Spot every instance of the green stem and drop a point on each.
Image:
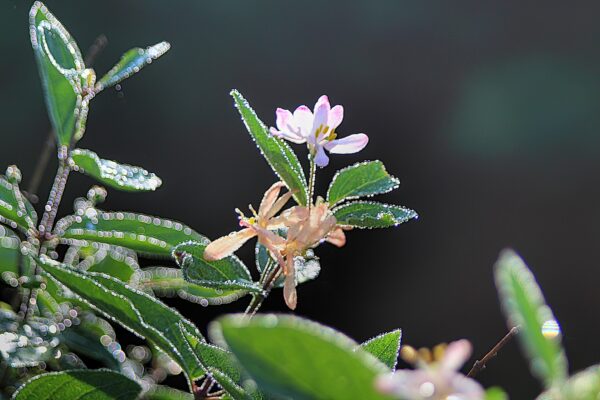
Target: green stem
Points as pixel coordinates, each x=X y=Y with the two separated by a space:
x=311 y=180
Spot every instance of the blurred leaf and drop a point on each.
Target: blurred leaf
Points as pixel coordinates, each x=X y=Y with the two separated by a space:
x=147 y=317
x=10 y=252
x=370 y=214
x=524 y=306
x=160 y=392
x=144 y=234
x=584 y=385
x=385 y=347
x=228 y=273
x=495 y=393
x=61 y=70
x=15 y=209
x=307 y=268
x=132 y=62
x=115 y=261
x=169 y=282
x=119 y=176
x=79 y=384
x=293 y=357
x=278 y=154
x=359 y=180
x=86 y=338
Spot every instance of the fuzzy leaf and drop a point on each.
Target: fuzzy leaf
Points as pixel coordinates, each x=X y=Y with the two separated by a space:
x=278 y=154
x=370 y=214
x=226 y=274
x=62 y=72
x=142 y=233
x=79 y=384
x=145 y=316
x=524 y=306
x=132 y=62
x=159 y=392
x=359 y=180
x=290 y=356
x=15 y=209
x=115 y=261
x=110 y=173
x=169 y=282
x=385 y=347
x=10 y=253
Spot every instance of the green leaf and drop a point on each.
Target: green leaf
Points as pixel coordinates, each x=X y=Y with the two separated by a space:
x=524 y=306
x=144 y=234
x=62 y=72
x=228 y=273
x=119 y=176
x=495 y=393
x=370 y=214
x=10 y=253
x=278 y=154
x=79 y=384
x=115 y=261
x=385 y=347
x=293 y=357
x=169 y=282
x=15 y=209
x=307 y=268
x=161 y=326
x=359 y=180
x=159 y=392
x=132 y=62
x=584 y=385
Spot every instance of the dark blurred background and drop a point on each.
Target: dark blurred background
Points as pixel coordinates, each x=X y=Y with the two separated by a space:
x=488 y=112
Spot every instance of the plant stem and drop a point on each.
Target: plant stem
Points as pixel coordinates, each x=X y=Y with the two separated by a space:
x=58 y=188
x=480 y=365
x=311 y=180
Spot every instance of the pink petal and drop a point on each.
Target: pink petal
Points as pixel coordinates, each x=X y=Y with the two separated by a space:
x=321 y=113
x=284 y=117
x=457 y=353
x=226 y=245
x=288 y=135
x=321 y=158
x=303 y=119
x=269 y=198
x=349 y=144
x=289 y=286
x=337 y=237
x=336 y=115
x=278 y=205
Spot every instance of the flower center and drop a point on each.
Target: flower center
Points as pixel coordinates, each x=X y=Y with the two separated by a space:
x=324 y=130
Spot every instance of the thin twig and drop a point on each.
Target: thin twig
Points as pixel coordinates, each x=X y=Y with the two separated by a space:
x=480 y=365
x=42 y=163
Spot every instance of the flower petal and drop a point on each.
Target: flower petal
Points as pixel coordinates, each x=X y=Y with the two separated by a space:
x=457 y=353
x=337 y=237
x=321 y=158
x=283 y=119
x=321 y=113
x=278 y=205
x=349 y=144
x=288 y=135
x=226 y=245
x=303 y=119
x=336 y=115
x=269 y=198
x=289 y=286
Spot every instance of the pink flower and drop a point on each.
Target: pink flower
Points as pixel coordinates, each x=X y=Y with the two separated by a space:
x=318 y=130
x=434 y=379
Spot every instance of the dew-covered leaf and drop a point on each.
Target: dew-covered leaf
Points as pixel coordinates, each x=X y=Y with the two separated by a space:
x=169 y=282
x=62 y=72
x=307 y=267
x=385 y=347
x=142 y=233
x=110 y=173
x=161 y=326
x=160 y=392
x=132 y=62
x=524 y=306
x=81 y=384
x=228 y=273
x=359 y=180
x=370 y=214
x=278 y=154
x=15 y=209
x=10 y=253
x=290 y=356
x=115 y=261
